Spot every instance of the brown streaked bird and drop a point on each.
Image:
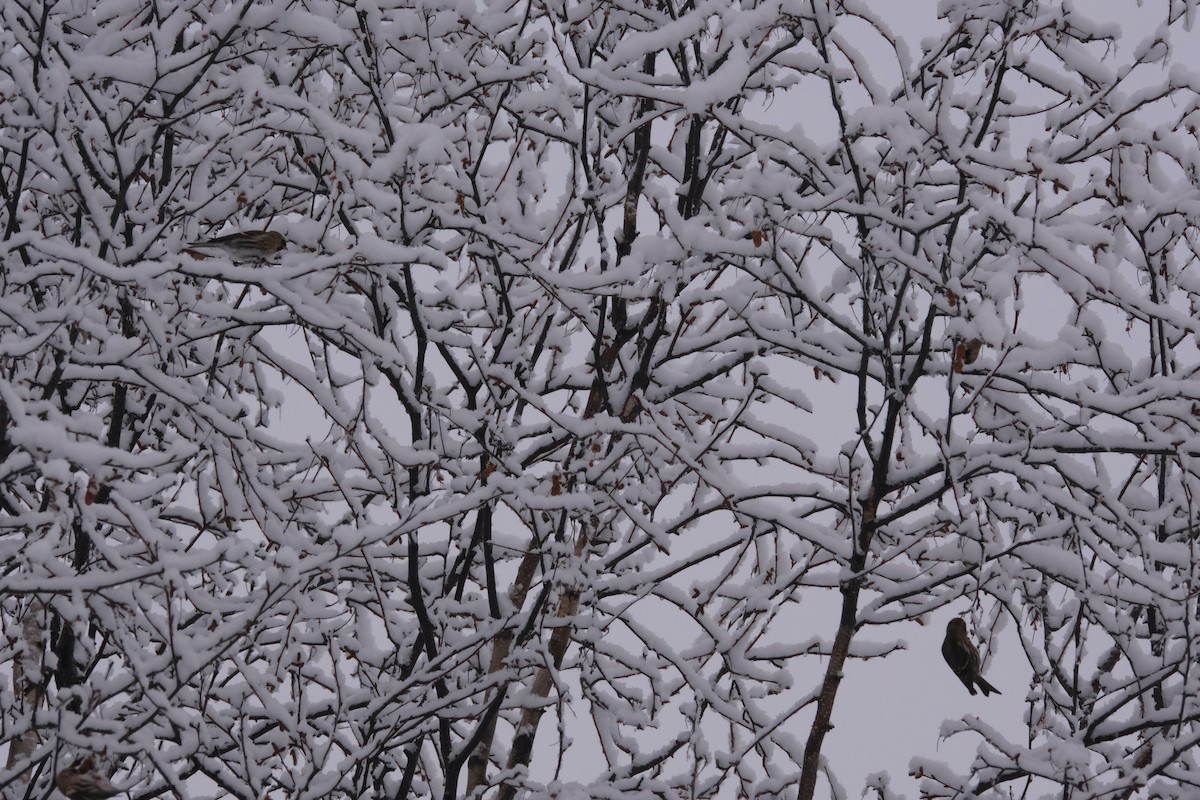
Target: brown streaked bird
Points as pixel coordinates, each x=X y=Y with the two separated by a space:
x=247 y=245
x=971 y=349
x=963 y=657
x=84 y=780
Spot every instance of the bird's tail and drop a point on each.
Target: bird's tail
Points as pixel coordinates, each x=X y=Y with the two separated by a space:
x=986 y=687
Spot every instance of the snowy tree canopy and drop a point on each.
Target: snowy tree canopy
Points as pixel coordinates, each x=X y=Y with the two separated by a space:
x=633 y=369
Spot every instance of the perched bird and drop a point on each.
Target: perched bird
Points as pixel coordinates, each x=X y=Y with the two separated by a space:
x=962 y=656
x=971 y=350
x=966 y=353
x=247 y=245
x=84 y=780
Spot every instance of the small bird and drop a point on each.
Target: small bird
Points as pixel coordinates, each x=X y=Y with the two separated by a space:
x=963 y=657
x=965 y=353
x=971 y=349
x=84 y=780
x=247 y=245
